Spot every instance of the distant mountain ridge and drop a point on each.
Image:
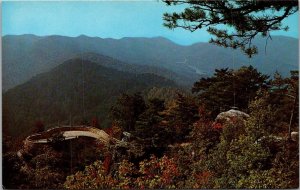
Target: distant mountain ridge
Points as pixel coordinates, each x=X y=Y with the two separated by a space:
x=75 y=91
x=131 y=68
x=24 y=56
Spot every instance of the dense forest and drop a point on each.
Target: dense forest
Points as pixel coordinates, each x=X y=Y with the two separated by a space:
x=176 y=138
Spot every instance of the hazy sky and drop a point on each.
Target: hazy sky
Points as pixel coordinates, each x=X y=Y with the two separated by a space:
x=102 y=19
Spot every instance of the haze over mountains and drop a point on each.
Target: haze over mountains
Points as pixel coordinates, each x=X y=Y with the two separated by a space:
x=25 y=56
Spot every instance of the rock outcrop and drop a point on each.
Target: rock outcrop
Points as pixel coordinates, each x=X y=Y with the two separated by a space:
x=230 y=117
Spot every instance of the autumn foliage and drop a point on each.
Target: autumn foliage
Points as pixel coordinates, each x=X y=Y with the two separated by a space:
x=153 y=173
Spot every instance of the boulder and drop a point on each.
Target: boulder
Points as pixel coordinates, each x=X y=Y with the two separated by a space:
x=229 y=117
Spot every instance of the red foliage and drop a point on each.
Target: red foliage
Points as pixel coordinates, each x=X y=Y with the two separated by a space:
x=113 y=131
x=95 y=122
x=217 y=126
x=202 y=179
x=107 y=163
x=100 y=146
x=109 y=130
x=202 y=110
x=157 y=173
x=203 y=113
x=169 y=170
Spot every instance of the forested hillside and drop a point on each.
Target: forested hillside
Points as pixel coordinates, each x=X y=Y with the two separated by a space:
x=75 y=91
x=173 y=139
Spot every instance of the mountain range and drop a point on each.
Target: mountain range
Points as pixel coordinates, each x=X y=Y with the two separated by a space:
x=70 y=79
x=25 y=56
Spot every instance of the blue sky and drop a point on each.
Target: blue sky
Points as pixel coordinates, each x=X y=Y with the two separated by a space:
x=108 y=19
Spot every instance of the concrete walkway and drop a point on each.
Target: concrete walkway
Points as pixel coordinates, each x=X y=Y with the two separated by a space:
x=67 y=133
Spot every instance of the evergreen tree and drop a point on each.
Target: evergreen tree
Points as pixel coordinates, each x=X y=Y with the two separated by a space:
x=228 y=88
x=148 y=127
x=246 y=19
x=283 y=96
x=180 y=116
x=127 y=110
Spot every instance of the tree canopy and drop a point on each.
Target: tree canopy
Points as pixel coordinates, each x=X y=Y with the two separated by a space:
x=229 y=88
x=244 y=19
x=177 y=143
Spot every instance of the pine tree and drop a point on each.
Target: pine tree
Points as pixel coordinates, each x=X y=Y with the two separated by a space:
x=127 y=110
x=284 y=97
x=180 y=116
x=228 y=88
x=148 y=127
x=246 y=19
